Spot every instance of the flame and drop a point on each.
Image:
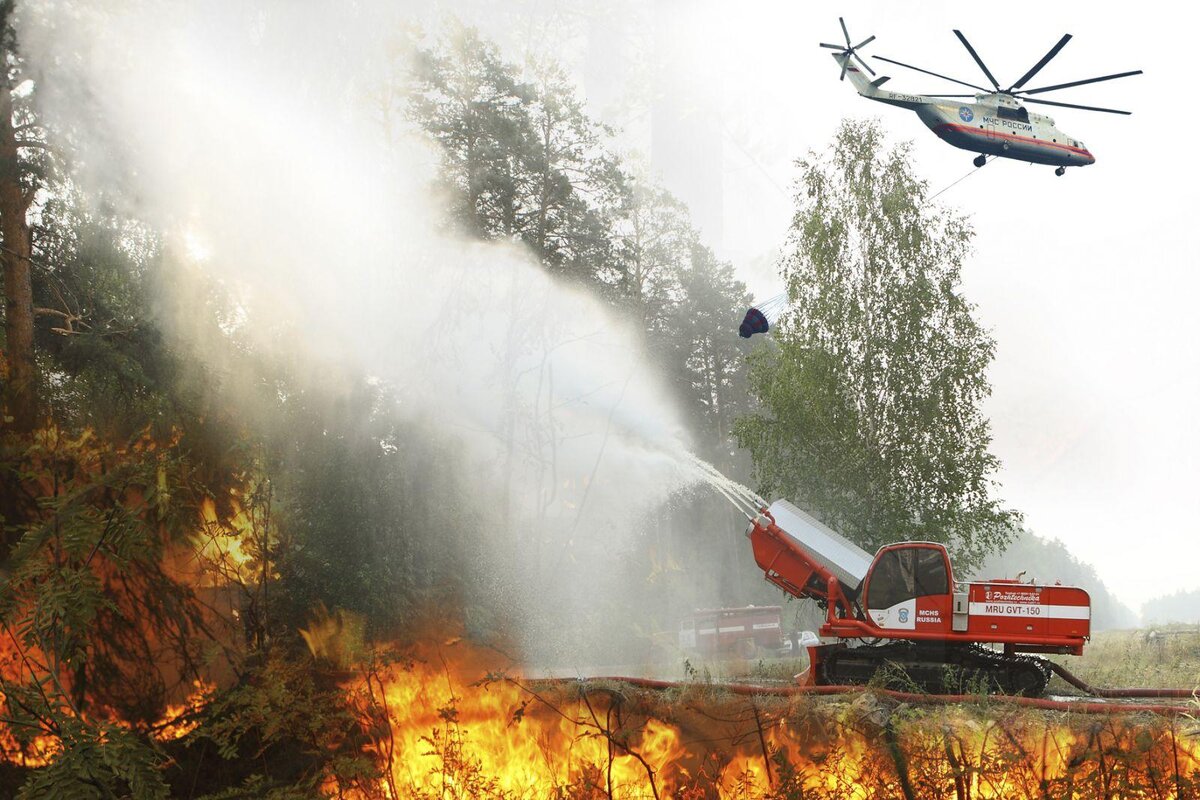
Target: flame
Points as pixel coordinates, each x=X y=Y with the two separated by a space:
x=447 y=724
x=498 y=738
x=181 y=719
x=178 y=720
x=39 y=750
x=36 y=751
x=334 y=637
x=220 y=547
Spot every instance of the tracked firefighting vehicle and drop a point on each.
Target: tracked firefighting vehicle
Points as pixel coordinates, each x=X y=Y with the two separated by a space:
x=903 y=615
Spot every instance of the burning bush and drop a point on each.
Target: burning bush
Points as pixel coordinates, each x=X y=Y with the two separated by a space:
x=105 y=644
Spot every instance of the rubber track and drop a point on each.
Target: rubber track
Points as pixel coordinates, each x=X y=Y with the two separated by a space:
x=926 y=665
x=1001 y=662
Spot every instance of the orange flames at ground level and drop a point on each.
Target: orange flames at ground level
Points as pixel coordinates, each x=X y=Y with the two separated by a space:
x=178 y=720
x=456 y=731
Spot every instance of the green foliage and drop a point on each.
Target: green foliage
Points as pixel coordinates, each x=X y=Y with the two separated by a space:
x=654 y=238
x=522 y=161
x=87 y=590
x=106 y=363
x=360 y=496
x=871 y=404
x=705 y=361
x=473 y=102
x=573 y=183
x=282 y=731
x=99 y=631
x=98 y=762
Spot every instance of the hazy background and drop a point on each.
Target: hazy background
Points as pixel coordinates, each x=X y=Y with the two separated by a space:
x=1086 y=281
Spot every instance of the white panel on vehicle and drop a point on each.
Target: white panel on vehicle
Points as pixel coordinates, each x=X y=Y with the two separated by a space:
x=835 y=552
x=903 y=615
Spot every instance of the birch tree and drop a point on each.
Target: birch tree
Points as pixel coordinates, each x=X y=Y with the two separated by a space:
x=871 y=405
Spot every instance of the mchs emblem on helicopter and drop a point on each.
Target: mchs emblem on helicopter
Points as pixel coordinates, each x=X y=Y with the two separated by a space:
x=997 y=122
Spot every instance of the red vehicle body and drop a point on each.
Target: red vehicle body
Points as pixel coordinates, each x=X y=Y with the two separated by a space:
x=732 y=631
x=909 y=592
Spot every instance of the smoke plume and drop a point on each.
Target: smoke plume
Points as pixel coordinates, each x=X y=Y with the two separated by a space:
x=254 y=136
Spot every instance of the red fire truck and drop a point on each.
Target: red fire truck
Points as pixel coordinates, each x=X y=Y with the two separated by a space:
x=743 y=632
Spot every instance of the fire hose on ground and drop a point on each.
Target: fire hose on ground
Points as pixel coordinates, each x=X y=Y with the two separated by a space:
x=915 y=698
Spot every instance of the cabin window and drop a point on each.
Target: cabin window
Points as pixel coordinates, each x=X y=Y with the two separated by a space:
x=907 y=573
x=1019 y=114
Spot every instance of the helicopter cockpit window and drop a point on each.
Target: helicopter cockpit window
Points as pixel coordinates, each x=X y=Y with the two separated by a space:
x=905 y=574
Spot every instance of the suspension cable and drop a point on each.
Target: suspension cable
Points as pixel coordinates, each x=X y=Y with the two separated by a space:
x=963 y=178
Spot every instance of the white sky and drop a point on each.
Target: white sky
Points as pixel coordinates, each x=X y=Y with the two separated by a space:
x=1086 y=281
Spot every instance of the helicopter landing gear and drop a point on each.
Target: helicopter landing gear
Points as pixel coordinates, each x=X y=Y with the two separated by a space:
x=1060 y=171
x=980 y=160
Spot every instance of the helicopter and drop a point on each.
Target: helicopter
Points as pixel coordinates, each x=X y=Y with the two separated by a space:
x=996 y=122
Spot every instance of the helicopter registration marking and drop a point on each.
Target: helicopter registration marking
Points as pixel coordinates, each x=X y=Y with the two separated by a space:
x=908 y=98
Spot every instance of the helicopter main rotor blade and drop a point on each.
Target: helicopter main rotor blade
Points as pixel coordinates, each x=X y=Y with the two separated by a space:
x=845 y=64
x=1074 y=105
x=978 y=60
x=845 y=31
x=1045 y=60
x=1080 y=83
x=864 y=42
x=934 y=74
x=833 y=46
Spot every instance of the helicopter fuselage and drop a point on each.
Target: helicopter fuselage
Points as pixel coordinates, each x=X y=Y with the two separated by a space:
x=993 y=124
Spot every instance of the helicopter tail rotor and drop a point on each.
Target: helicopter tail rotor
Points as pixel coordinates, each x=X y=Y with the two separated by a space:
x=850 y=50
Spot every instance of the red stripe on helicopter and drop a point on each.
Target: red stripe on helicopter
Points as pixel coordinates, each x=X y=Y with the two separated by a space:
x=998 y=135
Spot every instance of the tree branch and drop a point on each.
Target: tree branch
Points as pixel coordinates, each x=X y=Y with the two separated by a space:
x=36 y=145
x=70 y=319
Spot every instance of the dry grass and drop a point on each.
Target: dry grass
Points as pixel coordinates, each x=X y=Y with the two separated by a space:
x=1171 y=659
